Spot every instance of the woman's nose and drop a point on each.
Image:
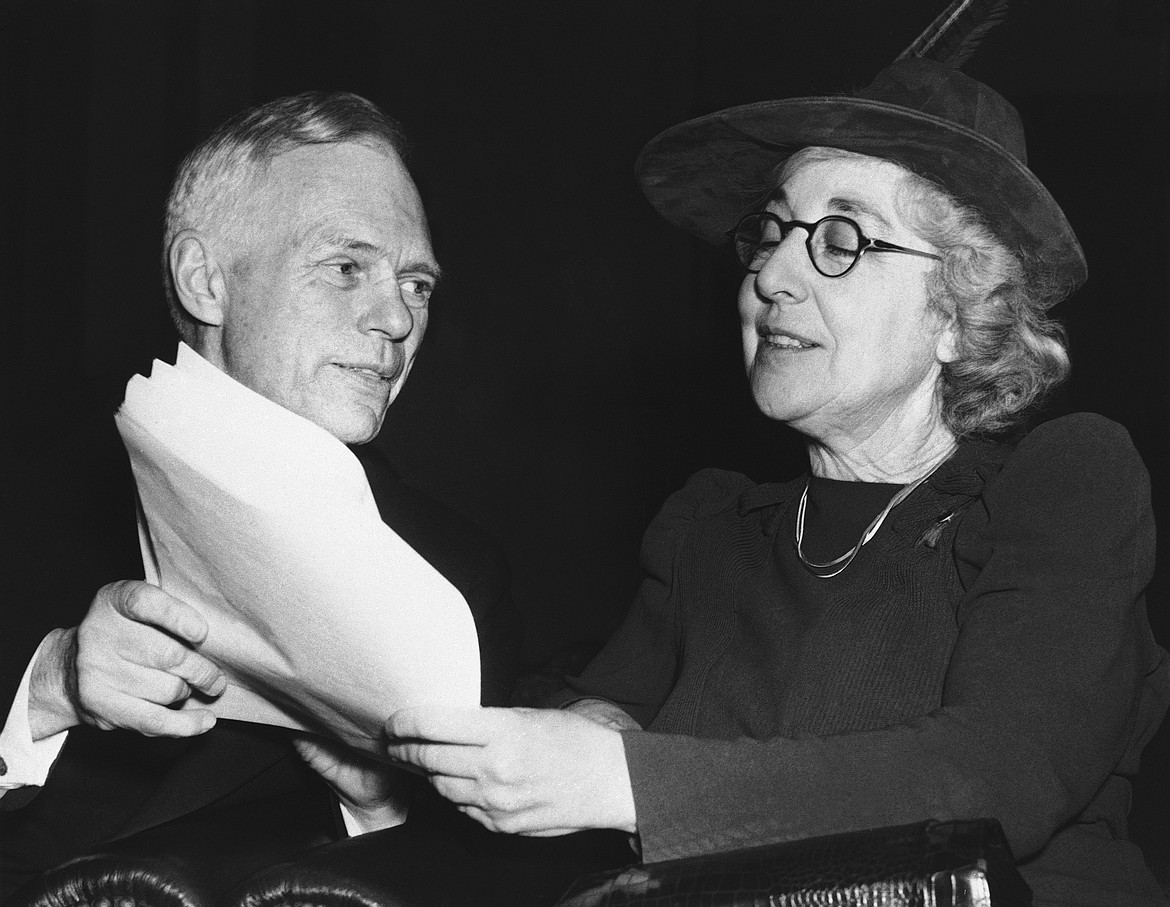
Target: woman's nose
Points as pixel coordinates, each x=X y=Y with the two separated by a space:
x=785 y=273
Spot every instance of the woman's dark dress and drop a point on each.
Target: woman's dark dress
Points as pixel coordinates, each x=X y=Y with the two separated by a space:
x=986 y=654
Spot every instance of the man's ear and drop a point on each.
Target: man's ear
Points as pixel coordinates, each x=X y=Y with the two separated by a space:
x=199 y=278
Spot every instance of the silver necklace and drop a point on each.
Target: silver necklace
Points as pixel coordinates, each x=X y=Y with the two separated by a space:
x=847 y=558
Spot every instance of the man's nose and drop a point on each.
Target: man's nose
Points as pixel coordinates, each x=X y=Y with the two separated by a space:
x=387 y=311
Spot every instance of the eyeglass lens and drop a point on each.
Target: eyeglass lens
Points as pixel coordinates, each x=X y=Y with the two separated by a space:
x=833 y=247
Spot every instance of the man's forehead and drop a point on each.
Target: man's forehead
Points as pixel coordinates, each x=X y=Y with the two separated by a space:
x=343 y=195
x=338 y=167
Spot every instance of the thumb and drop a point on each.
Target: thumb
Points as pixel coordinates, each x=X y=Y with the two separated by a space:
x=309 y=747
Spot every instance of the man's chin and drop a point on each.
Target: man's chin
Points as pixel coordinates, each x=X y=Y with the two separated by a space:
x=358 y=426
x=356 y=435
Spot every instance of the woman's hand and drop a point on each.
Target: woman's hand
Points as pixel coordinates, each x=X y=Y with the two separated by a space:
x=377 y=796
x=605 y=713
x=522 y=771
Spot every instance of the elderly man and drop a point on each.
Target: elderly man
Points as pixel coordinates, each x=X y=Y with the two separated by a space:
x=298 y=262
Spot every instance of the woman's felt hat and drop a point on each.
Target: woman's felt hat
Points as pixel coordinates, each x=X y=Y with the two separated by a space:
x=702 y=175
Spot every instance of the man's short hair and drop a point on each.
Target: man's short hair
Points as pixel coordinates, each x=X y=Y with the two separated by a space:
x=211 y=184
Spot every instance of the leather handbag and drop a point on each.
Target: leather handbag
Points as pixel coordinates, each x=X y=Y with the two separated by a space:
x=928 y=864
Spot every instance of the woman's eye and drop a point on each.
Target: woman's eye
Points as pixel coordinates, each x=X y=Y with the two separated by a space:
x=764 y=250
x=836 y=239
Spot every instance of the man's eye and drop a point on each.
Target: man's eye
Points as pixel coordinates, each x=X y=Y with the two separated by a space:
x=417 y=290
x=342 y=271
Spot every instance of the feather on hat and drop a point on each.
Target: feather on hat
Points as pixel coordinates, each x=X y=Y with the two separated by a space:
x=702 y=175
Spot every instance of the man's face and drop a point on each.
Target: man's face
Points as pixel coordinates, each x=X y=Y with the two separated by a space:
x=326 y=301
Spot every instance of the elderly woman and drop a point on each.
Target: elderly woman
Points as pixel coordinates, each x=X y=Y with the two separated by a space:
x=945 y=617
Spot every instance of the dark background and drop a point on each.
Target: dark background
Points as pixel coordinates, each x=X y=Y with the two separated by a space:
x=583 y=358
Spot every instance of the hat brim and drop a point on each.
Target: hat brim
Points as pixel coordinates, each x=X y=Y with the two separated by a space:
x=702 y=175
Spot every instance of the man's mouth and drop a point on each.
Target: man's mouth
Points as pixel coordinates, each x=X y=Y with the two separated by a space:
x=786 y=341
x=374 y=373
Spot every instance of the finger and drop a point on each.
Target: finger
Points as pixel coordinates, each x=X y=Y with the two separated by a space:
x=512 y=824
x=199 y=672
x=148 y=604
x=108 y=695
x=153 y=720
x=151 y=649
x=508 y=811
x=479 y=816
x=312 y=745
x=316 y=753
x=319 y=750
x=438 y=758
x=467 y=726
x=159 y=688
x=188 y=722
x=407 y=767
x=460 y=791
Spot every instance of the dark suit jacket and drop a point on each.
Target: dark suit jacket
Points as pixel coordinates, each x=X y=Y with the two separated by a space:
x=69 y=519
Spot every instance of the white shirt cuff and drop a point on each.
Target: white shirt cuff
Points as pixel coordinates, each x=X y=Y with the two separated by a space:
x=24 y=761
x=355 y=826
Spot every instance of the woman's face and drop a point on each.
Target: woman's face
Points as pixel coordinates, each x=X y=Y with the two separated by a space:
x=848 y=355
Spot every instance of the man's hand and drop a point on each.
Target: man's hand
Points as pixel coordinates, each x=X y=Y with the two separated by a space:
x=376 y=795
x=129 y=660
x=522 y=771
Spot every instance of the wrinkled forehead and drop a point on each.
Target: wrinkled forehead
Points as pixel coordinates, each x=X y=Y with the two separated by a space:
x=339 y=169
x=340 y=187
x=836 y=164
x=842 y=182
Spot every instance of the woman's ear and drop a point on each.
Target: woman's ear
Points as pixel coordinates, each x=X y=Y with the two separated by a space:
x=198 y=278
x=947 y=347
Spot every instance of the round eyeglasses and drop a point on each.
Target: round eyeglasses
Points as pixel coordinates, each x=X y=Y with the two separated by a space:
x=835 y=243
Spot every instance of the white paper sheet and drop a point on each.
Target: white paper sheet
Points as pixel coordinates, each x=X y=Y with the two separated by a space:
x=320 y=614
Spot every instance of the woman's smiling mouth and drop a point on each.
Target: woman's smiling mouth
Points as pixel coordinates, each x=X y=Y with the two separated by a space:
x=785 y=341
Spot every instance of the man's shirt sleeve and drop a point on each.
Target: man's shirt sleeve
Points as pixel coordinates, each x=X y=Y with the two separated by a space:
x=355 y=827
x=23 y=761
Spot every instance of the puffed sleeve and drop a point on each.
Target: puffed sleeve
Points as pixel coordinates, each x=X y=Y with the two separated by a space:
x=1052 y=675
x=637 y=667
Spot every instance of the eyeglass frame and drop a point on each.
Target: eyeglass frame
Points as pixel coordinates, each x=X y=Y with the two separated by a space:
x=866 y=243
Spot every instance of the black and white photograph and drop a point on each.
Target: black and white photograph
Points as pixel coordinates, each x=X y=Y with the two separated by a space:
x=585 y=454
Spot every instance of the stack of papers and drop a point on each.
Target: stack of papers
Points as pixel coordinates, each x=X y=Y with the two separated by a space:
x=322 y=617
